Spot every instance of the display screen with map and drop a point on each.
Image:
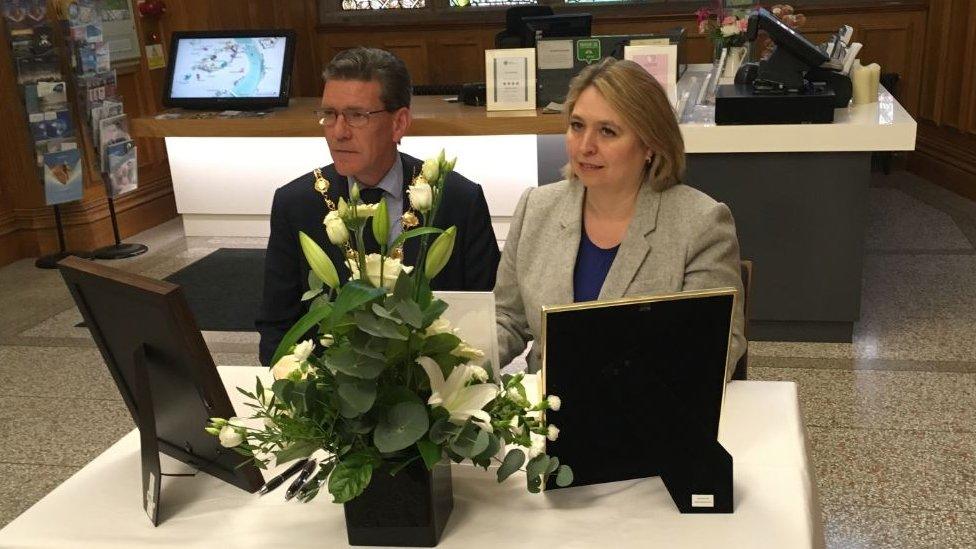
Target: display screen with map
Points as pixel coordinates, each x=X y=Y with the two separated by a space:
x=227 y=69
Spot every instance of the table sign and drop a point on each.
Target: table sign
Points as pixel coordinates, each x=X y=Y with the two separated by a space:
x=661 y=62
x=510 y=79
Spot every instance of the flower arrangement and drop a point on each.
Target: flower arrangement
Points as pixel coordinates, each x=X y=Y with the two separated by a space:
x=789 y=17
x=386 y=380
x=725 y=26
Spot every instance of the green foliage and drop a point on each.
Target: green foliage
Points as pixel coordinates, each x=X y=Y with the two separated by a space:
x=351 y=476
x=351 y=296
x=304 y=324
x=402 y=426
x=471 y=441
x=430 y=452
x=356 y=396
x=513 y=462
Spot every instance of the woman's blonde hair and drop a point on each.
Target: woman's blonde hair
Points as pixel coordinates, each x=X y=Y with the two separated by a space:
x=643 y=105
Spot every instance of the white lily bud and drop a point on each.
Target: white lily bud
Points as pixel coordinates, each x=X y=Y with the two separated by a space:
x=431 y=169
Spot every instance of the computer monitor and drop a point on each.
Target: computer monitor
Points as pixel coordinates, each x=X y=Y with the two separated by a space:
x=229 y=70
x=566 y=24
x=131 y=315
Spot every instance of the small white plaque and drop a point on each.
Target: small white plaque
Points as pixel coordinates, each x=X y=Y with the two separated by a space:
x=555 y=54
x=702 y=500
x=510 y=79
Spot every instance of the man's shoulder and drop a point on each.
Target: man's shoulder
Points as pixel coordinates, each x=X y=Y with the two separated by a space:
x=299 y=186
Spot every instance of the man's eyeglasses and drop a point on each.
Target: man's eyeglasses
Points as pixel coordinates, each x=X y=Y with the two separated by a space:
x=354 y=117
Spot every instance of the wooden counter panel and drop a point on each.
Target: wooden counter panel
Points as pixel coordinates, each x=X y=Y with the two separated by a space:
x=432 y=116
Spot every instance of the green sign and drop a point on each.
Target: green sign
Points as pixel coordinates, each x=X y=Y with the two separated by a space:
x=588 y=50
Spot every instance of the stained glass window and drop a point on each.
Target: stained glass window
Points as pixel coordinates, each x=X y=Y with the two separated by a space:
x=464 y=3
x=382 y=4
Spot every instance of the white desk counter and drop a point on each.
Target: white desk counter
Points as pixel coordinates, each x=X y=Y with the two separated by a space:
x=776 y=503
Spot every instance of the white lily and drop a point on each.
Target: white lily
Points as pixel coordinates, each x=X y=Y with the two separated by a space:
x=461 y=400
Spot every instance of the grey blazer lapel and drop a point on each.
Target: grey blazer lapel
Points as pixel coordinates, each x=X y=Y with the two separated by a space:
x=636 y=244
x=565 y=246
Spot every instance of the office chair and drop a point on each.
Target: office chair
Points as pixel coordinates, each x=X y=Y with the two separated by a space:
x=742 y=366
x=511 y=36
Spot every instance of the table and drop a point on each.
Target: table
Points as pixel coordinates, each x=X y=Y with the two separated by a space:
x=776 y=502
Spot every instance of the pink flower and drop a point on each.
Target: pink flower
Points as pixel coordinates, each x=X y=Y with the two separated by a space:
x=702 y=14
x=701 y=27
x=743 y=24
x=729 y=20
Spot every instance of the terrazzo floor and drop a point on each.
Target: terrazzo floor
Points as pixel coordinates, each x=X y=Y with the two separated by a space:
x=890 y=416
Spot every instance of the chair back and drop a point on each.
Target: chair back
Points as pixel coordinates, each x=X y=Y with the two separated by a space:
x=742 y=366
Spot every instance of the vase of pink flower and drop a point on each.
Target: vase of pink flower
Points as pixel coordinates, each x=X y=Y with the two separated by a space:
x=726 y=26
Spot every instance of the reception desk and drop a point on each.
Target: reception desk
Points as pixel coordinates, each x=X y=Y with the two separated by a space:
x=798 y=192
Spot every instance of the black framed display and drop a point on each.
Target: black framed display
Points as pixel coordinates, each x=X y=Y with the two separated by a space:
x=163 y=370
x=229 y=70
x=646 y=379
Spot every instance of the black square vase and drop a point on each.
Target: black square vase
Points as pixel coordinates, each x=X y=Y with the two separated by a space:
x=409 y=509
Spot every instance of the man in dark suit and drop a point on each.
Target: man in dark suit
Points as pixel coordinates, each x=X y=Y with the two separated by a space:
x=365 y=112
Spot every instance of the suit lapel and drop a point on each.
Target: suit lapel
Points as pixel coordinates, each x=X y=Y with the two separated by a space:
x=561 y=263
x=636 y=244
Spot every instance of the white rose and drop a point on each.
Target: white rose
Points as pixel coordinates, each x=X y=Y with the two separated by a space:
x=303 y=350
x=729 y=30
x=468 y=352
x=391 y=270
x=230 y=436
x=335 y=227
x=479 y=373
x=439 y=326
x=553 y=433
x=538 y=446
x=421 y=196
x=553 y=402
x=285 y=367
x=362 y=211
x=431 y=169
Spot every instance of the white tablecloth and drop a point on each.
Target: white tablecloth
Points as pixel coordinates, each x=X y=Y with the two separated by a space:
x=776 y=503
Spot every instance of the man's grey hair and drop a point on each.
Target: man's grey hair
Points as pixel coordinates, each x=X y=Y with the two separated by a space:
x=368 y=64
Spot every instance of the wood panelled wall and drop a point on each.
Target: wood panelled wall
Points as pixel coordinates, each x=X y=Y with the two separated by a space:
x=931 y=44
x=946 y=147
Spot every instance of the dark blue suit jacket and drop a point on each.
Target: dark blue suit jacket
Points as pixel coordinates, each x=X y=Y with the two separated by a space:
x=298 y=207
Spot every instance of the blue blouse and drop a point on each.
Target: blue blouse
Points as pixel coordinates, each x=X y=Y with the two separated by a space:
x=592 y=265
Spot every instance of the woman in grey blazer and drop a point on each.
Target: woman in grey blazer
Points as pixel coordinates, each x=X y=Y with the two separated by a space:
x=621 y=224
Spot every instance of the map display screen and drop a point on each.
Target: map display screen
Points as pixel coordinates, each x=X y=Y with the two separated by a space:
x=229 y=68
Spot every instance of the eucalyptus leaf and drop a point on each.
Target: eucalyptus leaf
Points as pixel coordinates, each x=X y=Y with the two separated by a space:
x=564 y=476
x=377 y=326
x=403 y=288
x=411 y=313
x=534 y=484
x=351 y=296
x=471 y=441
x=494 y=445
x=402 y=426
x=537 y=465
x=440 y=343
x=358 y=397
x=513 y=462
x=381 y=311
x=442 y=430
x=345 y=360
x=360 y=425
x=433 y=311
x=367 y=345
